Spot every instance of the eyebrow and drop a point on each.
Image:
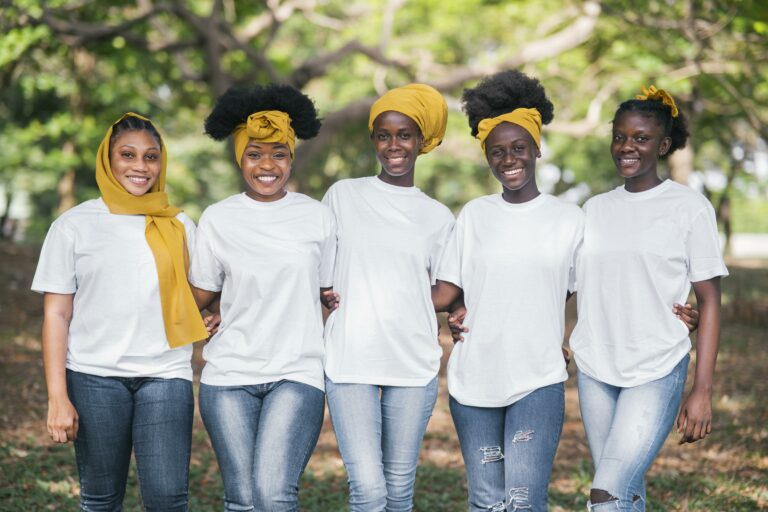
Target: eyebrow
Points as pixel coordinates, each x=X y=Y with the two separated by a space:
x=134 y=147
x=253 y=144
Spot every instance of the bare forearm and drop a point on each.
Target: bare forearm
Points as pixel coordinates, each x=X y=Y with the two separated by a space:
x=708 y=339
x=444 y=294
x=55 y=332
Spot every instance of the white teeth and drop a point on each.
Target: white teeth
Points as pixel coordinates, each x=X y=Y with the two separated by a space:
x=138 y=180
x=513 y=172
x=266 y=179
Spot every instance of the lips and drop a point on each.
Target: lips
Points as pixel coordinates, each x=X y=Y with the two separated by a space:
x=627 y=162
x=509 y=173
x=138 y=180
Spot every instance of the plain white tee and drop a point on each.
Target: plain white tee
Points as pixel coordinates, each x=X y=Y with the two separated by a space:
x=515 y=263
x=117 y=327
x=268 y=260
x=641 y=252
x=390 y=239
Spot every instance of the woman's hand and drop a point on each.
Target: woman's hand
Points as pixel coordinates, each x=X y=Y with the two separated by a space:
x=212 y=322
x=456 y=323
x=329 y=298
x=688 y=314
x=62 y=420
x=695 y=419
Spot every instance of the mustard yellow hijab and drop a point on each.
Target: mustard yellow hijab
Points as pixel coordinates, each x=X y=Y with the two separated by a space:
x=527 y=118
x=166 y=237
x=264 y=126
x=422 y=103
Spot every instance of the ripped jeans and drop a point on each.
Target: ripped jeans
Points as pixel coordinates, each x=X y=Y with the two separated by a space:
x=626 y=428
x=508 y=451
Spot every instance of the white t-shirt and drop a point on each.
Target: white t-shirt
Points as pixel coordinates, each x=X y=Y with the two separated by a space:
x=269 y=260
x=390 y=239
x=117 y=327
x=640 y=253
x=515 y=263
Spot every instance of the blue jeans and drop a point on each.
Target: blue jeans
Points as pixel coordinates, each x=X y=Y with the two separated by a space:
x=626 y=428
x=263 y=436
x=379 y=431
x=508 y=451
x=153 y=417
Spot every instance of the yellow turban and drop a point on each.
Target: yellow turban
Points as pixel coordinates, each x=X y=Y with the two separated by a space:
x=167 y=239
x=264 y=126
x=527 y=118
x=421 y=103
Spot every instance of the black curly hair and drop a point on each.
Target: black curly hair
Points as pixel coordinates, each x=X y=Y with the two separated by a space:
x=674 y=127
x=234 y=106
x=502 y=93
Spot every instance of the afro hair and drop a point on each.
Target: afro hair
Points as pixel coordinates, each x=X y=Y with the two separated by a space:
x=502 y=93
x=234 y=106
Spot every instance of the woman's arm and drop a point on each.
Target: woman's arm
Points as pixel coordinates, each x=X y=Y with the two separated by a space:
x=204 y=298
x=695 y=419
x=62 y=417
x=444 y=294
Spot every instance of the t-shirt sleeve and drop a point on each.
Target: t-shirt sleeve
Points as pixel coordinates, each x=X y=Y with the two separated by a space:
x=449 y=268
x=705 y=259
x=56 y=267
x=328 y=252
x=206 y=271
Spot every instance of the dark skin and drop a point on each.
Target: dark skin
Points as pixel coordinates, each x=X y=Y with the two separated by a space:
x=397 y=141
x=638 y=142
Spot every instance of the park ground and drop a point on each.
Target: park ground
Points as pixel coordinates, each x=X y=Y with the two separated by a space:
x=726 y=472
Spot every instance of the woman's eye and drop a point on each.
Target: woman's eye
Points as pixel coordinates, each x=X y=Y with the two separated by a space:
x=642 y=139
x=153 y=157
x=278 y=155
x=254 y=156
x=126 y=155
x=405 y=136
x=519 y=149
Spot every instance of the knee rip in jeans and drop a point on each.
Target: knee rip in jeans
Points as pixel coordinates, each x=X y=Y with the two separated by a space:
x=491 y=454
x=597 y=496
x=522 y=435
x=497 y=507
x=518 y=498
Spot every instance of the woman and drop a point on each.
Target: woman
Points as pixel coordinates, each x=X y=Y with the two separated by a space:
x=513 y=255
x=644 y=244
x=119 y=318
x=382 y=354
x=267 y=252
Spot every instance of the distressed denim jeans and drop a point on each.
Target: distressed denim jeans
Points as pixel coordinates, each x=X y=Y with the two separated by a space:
x=626 y=428
x=379 y=430
x=152 y=417
x=508 y=451
x=263 y=436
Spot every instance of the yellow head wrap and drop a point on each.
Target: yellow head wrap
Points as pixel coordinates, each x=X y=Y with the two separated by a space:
x=421 y=103
x=652 y=93
x=166 y=238
x=264 y=126
x=527 y=118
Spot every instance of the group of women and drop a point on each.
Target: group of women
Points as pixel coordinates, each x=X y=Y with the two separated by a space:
x=125 y=275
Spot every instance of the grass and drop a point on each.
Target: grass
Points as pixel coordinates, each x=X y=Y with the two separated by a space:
x=726 y=472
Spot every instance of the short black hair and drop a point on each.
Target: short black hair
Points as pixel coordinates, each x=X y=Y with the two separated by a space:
x=134 y=124
x=674 y=127
x=502 y=93
x=234 y=106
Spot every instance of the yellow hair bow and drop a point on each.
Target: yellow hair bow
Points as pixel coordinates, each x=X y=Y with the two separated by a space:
x=652 y=93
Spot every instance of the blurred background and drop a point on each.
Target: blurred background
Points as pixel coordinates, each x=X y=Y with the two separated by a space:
x=69 y=68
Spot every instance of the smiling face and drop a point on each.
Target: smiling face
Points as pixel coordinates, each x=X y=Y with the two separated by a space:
x=266 y=167
x=638 y=142
x=511 y=153
x=397 y=140
x=136 y=160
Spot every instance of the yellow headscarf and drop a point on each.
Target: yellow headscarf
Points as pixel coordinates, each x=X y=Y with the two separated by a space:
x=421 y=103
x=264 y=126
x=527 y=118
x=166 y=238
x=652 y=93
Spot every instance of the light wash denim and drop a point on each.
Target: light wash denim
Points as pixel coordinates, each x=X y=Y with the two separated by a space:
x=508 y=451
x=626 y=428
x=152 y=417
x=379 y=430
x=263 y=436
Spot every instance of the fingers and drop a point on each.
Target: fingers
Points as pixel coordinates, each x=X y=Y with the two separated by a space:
x=688 y=314
x=331 y=299
x=566 y=356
